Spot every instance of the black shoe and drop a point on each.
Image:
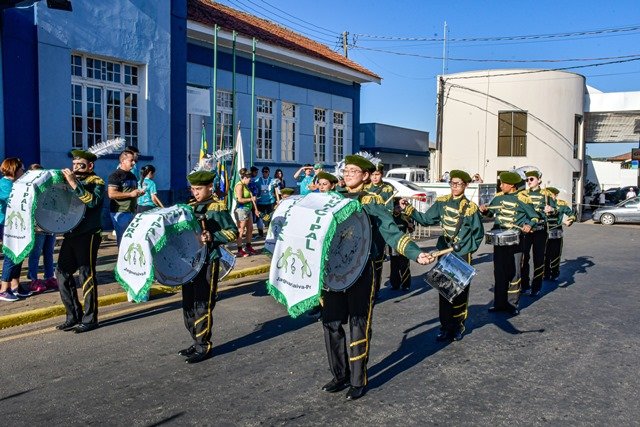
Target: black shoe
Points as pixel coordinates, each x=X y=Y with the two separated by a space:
x=197 y=357
x=355 y=393
x=186 y=352
x=443 y=336
x=67 y=326
x=85 y=327
x=335 y=385
x=535 y=294
x=514 y=311
x=457 y=336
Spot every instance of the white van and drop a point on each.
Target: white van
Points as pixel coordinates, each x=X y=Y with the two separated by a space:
x=410 y=174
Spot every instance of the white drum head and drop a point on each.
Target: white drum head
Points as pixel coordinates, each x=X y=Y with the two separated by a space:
x=181 y=258
x=227 y=262
x=58 y=209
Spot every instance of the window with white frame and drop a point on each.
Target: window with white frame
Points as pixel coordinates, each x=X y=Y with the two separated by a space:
x=264 y=140
x=288 y=132
x=338 y=136
x=319 y=135
x=224 y=118
x=104 y=101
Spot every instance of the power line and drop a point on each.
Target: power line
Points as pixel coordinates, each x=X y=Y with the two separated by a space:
x=245 y=8
x=373 y=37
x=606 y=58
x=331 y=32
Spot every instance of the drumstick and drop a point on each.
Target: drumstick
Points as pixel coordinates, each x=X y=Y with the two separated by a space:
x=441 y=252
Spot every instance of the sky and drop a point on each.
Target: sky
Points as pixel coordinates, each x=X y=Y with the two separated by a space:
x=407 y=95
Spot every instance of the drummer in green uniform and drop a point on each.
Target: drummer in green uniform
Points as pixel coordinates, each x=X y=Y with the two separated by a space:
x=385 y=191
x=462 y=229
x=554 y=246
x=199 y=296
x=326 y=182
x=356 y=303
x=535 y=242
x=512 y=210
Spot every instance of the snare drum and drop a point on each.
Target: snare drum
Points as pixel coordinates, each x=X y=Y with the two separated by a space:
x=450 y=276
x=58 y=209
x=555 y=233
x=502 y=237
x=181 y=259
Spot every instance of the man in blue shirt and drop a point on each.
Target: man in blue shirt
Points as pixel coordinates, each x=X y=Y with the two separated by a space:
x=266 y=197
x=306 y=180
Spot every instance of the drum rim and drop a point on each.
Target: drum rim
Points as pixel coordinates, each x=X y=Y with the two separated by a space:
x=67 y=188
x=193 y=272
x=222 y=248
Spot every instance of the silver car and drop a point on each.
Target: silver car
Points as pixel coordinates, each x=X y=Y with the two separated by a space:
x=626 y=211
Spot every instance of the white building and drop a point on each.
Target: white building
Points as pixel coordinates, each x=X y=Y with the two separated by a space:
x=494 y=120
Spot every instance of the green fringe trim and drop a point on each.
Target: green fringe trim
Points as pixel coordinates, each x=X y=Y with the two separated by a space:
x=191 y=224
x=296 y=309
x=55 y=178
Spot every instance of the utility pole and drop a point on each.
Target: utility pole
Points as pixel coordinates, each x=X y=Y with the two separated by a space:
x=439 y=130
x=345 y=45
x=444 y=50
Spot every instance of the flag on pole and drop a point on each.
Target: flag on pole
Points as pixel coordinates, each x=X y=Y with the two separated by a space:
x=203 y=143
x=236 y=165
x=224 y=179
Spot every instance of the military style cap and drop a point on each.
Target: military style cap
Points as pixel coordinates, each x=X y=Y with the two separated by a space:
x=510 y=178
x=201 y=178
x=534 y=173
x=359 y=161
x=456 y=173
x=380 y=167
x=329 y=177
x=83 y=154
x=554 y=190
x=287 y=191
x=318 y=166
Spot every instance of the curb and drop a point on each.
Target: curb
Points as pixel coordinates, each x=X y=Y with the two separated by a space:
x=39 y=314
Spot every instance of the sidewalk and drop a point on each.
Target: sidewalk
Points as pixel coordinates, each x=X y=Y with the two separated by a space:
x=48 y=304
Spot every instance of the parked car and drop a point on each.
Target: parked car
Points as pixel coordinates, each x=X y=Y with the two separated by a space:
x=625 y=211
x=409 y=174
x=420 y=198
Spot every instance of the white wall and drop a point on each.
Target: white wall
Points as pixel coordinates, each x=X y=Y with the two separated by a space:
x=609 y=175
x=470 y=122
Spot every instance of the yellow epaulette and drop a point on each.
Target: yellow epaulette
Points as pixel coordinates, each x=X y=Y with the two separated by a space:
x=499 y=193
x=524 y=197
x=217 y=206
x=546 y=192
x=561 y=202
x=472 y=209
x=388 y=188
x=444 y=198
x=95 y=179
x=372 y=199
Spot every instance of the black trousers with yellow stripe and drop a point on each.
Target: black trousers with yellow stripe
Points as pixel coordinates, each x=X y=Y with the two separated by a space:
x=453 y=314
x=507 y=261
x=400 y=274
x=355 y=306
x=79 y=253
x=535 y=242
x=552 y=258
x=377 y=272
x=198 y=301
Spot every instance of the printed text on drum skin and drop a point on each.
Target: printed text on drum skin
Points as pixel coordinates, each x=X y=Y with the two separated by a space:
x=314 y=226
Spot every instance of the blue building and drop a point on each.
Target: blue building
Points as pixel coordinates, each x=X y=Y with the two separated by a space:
x=140 y=70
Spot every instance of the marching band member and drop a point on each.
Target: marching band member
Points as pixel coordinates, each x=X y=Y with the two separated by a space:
x=554 y=246
x=355 y=304
x=536 y=241
x=199 y=296
x=512 y=210
x=399 y=268
x=326 y=182
x=462 y=229
x=79 y=248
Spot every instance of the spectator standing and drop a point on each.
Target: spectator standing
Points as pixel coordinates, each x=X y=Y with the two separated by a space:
x=149 y=199
x=12 y=169
x=245 y=204
x=43 y=244
x=123 y=192
x=630 y=194
x=304 y=181
x=266 y=199
x=602 y=199
x=279 y=175
x=477 y=179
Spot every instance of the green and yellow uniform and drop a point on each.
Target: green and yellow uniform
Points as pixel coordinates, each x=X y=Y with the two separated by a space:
x=448 y=211
x=385 y=191
x=510 y=211
x=79 y=251
x=536 y=241
x=400 y=271
x=199 y=296
x=554 y=246
x=355 y=305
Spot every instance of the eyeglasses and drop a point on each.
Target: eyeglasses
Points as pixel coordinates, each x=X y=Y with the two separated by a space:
x=351 y=172
x=80 y=165
x=456 y=184
x=531 y=178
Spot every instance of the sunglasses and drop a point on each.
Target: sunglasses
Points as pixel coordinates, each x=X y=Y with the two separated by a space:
x=531 y=178
x=80 y=165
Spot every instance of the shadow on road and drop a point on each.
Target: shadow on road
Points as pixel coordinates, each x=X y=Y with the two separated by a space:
x=151 y=311
x=481 y=259
x=11 y=396
x=167 y=420
x=571 y=267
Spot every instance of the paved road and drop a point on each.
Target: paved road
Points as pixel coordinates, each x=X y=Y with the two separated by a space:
x=569 y=358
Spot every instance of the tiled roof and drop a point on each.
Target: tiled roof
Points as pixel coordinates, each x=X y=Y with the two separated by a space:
x=620 y=158
x=210 y=13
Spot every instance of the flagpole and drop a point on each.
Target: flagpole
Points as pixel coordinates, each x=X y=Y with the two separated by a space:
x=253 y=98
x=215 y=81
x=233 y=85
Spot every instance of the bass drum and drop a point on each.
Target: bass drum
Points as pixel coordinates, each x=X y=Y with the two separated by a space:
x=227 y=262
x=180 y=260
x=58 y=209
x=348 y=252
